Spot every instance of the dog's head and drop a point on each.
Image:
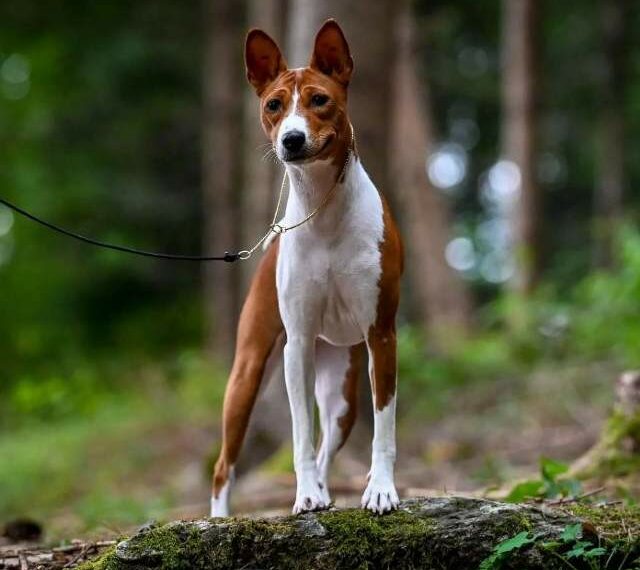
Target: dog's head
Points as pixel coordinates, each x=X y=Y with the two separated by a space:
x=303 y=111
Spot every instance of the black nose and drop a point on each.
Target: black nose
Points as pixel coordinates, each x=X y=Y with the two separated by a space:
x=293 y=141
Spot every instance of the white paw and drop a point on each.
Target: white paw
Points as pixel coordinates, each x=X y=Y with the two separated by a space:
x=220 y=504
x=219 y=508
x=380 y=497
x=310 y=497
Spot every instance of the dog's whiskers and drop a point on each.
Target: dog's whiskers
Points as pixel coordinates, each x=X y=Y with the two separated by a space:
x=270 y=155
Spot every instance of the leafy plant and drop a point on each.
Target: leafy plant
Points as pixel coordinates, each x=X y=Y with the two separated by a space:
x=570 y=548
x=550 y=485
x=578 y=548
x=504 y=548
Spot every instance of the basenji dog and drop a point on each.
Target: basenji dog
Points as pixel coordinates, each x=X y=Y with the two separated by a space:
x=330 y=285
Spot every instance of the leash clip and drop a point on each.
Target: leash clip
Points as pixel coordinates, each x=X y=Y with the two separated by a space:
x=231 y=257
x=278 y=229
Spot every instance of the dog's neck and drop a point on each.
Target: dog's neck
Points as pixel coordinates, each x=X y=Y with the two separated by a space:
x=309 y=185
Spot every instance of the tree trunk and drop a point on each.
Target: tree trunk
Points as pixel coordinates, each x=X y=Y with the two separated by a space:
x=261 y=173
x=305 y=19
x=519 y=88
x=270 y=425
x=369 y=28
x=611 y=172
x=442 y=533
x=441 y=297
x=220 y=135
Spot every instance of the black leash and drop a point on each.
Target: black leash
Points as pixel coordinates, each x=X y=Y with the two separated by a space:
x=228 y=257
x=274 y=228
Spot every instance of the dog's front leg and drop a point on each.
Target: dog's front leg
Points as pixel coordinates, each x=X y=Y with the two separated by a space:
x=299 y=357
x=380 y=495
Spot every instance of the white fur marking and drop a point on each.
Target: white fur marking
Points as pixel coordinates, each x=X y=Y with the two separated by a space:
x=220 y=504
x=380 y=495
x=294 y=121
x=327 y=279
x=332 y=365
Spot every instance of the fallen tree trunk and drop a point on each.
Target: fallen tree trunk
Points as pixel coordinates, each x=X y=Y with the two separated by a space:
x=444 y=533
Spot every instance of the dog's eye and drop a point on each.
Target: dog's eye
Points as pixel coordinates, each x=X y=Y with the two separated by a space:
x=319 y=99
x=273 y=105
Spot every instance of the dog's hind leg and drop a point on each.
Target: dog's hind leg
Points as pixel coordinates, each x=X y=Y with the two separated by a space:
x=259 y=328
x=337 y=377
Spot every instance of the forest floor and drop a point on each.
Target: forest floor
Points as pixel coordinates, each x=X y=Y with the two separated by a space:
x=135 y=461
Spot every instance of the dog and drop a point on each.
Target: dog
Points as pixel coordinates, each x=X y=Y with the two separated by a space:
x=330 y=285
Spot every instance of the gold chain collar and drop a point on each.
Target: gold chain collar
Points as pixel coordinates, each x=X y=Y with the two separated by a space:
x=276 y=228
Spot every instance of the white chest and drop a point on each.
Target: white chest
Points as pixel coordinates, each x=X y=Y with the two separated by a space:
x=328 y=271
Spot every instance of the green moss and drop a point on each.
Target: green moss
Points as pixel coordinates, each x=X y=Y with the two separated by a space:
x=611 y=456
x=361 y=539
x=620 y=426
x=510 y=524
x=105 y=561
x=426 y=534
x=613 y=523
x=185 y=546
x=246 y=541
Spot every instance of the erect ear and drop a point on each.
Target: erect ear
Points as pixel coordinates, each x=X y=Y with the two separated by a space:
x=331 y=53
x=263 y=59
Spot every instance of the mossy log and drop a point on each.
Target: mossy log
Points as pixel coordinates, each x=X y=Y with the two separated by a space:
x=443 y=533
x=616 y=454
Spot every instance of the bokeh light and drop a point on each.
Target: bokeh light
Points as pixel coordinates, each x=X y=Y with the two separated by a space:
x=460 y=254
x=497 y=267
x=447 y=166
x=15 y=73
x=503 y=188
x=6 y=221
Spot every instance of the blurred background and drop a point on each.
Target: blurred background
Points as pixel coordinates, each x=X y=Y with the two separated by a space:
x=502 y=132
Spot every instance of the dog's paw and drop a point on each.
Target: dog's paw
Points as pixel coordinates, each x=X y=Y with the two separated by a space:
x=311 y=497
x=380 y=497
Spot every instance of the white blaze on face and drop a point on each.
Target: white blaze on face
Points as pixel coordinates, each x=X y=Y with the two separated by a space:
x=294 y=121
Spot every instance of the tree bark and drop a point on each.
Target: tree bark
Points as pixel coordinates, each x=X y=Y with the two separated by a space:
x=220 y=135
x=610 y=184
x=305 y=19
x=369 y=28
x=442 y=298
x=261 y=173
x=519 y=88
x=442 y=533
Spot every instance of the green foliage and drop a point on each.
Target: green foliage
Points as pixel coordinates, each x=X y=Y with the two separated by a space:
x=61 y=461
x=98 y=133
x=596 y=319
x=606 y=313
x=551 y=484
x=502 y=550
x=571 y=548
x=430 y=381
